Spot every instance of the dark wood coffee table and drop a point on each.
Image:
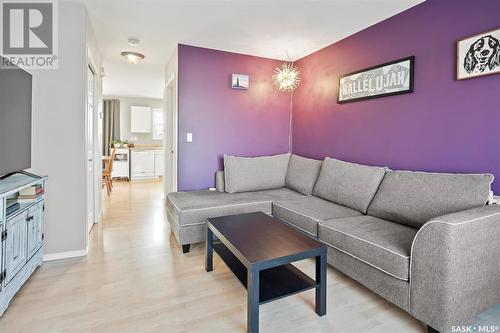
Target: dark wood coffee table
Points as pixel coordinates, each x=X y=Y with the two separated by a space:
x=259 y=250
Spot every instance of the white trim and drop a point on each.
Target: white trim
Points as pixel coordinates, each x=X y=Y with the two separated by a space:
x=296 y=227
x=438 y=222
x=65 y=255
x=217 y=207
x=364 y=240
x=298 y=213
x=366 y=262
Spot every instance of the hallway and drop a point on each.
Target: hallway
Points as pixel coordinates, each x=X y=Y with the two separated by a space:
x=135 y=279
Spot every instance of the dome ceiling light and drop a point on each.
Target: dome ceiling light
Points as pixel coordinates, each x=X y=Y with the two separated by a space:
x=132 y=57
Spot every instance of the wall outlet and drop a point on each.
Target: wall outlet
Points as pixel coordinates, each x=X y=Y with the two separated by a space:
x=133 y=138
x=189 y=137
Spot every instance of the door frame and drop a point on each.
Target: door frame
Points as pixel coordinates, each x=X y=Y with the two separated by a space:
x=92 y=143
x=96 y=202
x=171 y=130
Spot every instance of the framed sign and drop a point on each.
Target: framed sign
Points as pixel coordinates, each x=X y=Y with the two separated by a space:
x=390 y=78
x=240 y=81
x=478 y=55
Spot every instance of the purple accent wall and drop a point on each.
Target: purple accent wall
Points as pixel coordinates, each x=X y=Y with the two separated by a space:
x=223 y=120
x=445 y=125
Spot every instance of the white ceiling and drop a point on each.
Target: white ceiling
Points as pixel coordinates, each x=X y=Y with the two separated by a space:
x=272 y=29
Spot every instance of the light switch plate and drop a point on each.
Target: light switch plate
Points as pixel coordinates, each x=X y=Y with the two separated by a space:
x=189 y=137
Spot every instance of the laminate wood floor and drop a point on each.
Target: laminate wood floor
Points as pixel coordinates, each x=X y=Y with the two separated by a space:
x=136 y=279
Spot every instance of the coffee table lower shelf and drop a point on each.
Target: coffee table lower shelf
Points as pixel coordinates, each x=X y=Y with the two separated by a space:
x=275 y=283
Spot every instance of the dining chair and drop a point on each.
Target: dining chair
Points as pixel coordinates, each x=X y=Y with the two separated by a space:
x=107 y=179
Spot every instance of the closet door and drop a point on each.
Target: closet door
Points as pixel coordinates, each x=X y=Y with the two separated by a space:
x=15 y=245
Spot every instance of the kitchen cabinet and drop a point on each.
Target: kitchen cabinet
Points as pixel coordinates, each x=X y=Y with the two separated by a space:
x=143 y=164
x=147 y=163
x=140 y=119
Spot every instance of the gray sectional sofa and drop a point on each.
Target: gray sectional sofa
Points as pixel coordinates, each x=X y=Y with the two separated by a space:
x=427 y=242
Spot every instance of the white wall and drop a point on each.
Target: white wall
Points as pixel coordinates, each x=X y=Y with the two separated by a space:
x=125 y=104
x=58 y=135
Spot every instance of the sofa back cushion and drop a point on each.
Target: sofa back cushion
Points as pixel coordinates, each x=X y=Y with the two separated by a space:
x=413 y=198
x=349 y=184
x=244 y=174
x=302 y=174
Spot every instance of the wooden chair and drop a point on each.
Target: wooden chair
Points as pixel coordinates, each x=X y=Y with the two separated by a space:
x=107 y=179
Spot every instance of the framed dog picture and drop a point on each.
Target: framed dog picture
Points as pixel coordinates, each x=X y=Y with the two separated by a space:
x=478 y=55
x=391 y=78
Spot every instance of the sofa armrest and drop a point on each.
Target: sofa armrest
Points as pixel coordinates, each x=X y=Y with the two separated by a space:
x=455 y=267
x=220 y=185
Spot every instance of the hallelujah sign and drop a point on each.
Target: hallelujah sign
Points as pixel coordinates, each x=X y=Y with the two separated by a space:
x=387 y=79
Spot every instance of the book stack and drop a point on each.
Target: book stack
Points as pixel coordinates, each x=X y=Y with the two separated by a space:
x=12 y=206
x=30 y=193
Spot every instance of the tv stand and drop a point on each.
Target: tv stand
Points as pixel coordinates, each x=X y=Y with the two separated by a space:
x=7 y=175
x=21 y=241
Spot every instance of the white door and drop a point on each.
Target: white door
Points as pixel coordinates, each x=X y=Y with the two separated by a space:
x=170 y=166
x=159 y=162
x=89 y=125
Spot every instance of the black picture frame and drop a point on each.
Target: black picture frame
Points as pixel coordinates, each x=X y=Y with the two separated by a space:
x=406 y=91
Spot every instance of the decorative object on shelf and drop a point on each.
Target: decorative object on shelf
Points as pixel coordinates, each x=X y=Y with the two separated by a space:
x=478 y=55
x=387 y=79
x=119 y=144
x=133 y=57
x=240 y=81
x=286 y=77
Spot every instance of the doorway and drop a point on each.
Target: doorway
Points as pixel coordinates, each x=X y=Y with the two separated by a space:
x=89 y=147
x=171 y=136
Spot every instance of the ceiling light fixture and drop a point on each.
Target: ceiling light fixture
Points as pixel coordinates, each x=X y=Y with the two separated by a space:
x=286 y=77
x=133 y=41
x=132 y=57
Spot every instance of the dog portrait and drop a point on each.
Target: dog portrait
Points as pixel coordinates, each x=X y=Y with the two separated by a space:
x=478 y=55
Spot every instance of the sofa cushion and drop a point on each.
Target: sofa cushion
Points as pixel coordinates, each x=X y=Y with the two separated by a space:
x=244 y=174
x=302 y=174
x=219 y=181
x=382 y=244
x=413 y=198
x=195 y=207
x=349 y=184
x=305 y=213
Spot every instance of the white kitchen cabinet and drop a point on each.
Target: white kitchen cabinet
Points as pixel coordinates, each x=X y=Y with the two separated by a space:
x=140 y=119
x=159 y=163
x=143 y=164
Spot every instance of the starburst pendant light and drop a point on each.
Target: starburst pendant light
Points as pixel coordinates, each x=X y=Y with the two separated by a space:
x=286 y=77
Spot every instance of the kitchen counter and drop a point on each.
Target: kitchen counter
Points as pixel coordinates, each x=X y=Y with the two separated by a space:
x=142 y=148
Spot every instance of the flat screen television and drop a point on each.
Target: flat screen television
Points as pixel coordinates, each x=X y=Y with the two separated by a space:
x=15 y=120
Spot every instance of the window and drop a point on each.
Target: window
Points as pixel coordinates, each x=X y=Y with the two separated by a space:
x=158 y=124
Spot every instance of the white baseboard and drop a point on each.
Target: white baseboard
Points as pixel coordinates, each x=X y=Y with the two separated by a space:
x=65 y=255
